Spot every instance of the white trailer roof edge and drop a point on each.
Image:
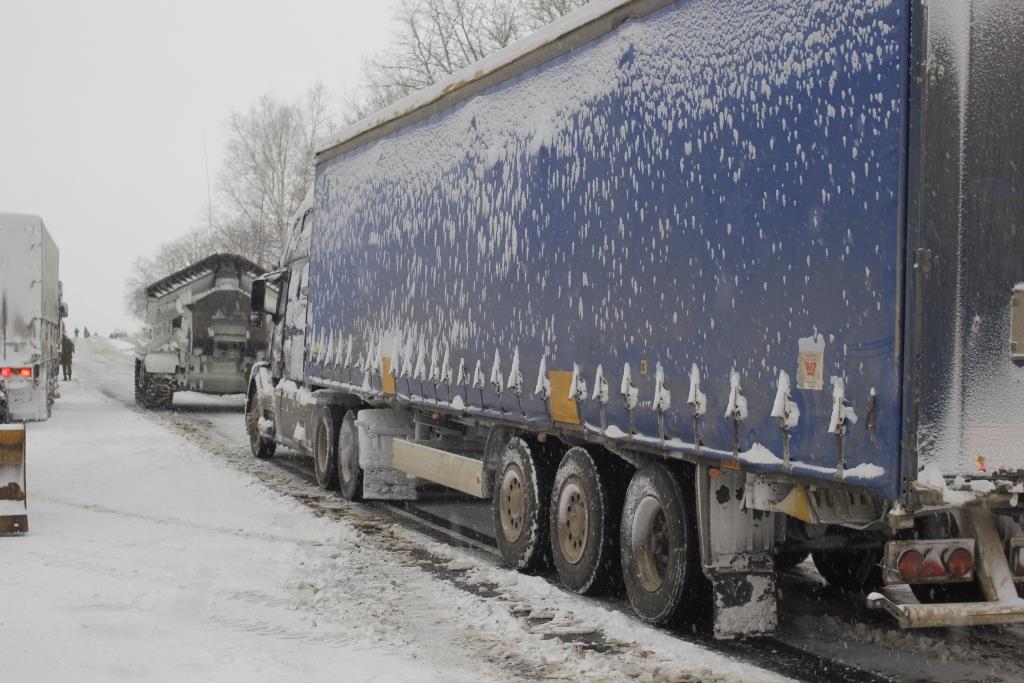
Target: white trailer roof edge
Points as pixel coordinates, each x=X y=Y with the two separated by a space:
x=561 y=36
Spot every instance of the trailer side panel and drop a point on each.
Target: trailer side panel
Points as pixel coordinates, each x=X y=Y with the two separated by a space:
x=717 y=184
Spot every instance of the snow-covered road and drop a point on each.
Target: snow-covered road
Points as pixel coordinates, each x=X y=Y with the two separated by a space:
x=152 y=558
x=160 y=550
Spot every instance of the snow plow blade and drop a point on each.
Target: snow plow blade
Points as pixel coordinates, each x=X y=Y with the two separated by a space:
x=950 y=614
x=13 y=499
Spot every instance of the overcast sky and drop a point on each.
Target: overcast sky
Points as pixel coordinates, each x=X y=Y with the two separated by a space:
x=104 y=105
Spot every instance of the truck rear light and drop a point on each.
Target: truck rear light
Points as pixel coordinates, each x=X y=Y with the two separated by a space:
x=25 y=372
x=910 y=564
x=15 y=372
x=932 y=568
x=959 y=561
x=6 y=372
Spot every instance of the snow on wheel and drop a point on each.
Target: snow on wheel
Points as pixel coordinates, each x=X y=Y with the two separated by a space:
x=583 y=524
x=658 y=539
x=350 y=474
x=325 y=452
x=520 y=506
x=261 y=447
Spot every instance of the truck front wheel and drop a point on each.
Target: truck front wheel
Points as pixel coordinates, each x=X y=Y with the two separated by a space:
x=261 y=447
x=350 y=474
x=658 y=539
x=584 y=522
x=325 y=453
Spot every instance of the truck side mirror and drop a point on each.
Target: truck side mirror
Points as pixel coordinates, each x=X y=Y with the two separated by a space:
x=259 y=293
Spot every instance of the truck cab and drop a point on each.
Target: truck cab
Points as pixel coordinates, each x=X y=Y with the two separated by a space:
x=280 y=408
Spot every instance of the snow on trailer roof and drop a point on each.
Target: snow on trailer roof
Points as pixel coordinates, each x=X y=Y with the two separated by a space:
x=20 y=220
x=559 y=37
x=208 y=265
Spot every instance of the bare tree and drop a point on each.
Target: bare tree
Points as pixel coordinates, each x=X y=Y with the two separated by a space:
x=267 y=171
x=268 y=168
x=435 y=38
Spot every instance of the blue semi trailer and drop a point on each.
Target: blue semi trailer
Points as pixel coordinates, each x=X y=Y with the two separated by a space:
x=690 y=290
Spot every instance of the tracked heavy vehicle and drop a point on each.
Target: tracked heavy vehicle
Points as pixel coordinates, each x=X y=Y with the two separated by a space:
x=197 y=336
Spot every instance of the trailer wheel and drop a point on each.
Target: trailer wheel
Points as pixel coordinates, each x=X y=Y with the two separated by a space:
x=658 y=540
x=519 y=504
x=350 y=474
x=850 y=570
x=584 y=521
x=261 y=448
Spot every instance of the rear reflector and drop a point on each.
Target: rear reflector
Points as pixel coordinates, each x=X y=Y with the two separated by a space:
x=19 y=372
x=5 y=372
x=25 y=372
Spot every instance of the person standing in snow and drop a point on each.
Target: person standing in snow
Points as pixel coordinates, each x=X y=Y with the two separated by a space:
x=85 y=332
x=76 y=333
x=67 y=350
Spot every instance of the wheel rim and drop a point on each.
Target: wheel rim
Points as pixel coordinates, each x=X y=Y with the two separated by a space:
x=650 y=544
x=573 y=520
x=322 y=450
x=345 y=454
x=513 y=503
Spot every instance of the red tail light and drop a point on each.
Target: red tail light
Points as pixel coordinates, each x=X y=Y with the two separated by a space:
x=959 y=561
x=25 y=372
x=6 y=372
x=910 y=564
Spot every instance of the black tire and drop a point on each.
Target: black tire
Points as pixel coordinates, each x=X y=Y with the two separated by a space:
x=850 y=570
x=789 y=559
x=658 y=547
x=933 y=593
x=350 y=474
x=584 y=524
x=325 y=452
x=519 y=506
x=260 y=447
x=138 y=383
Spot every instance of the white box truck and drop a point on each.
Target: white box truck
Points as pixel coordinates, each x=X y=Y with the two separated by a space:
x=30 y=316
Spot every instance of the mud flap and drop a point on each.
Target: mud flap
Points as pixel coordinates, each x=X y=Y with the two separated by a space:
x=744 y=604
x=736 y=554
x=13 y=497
